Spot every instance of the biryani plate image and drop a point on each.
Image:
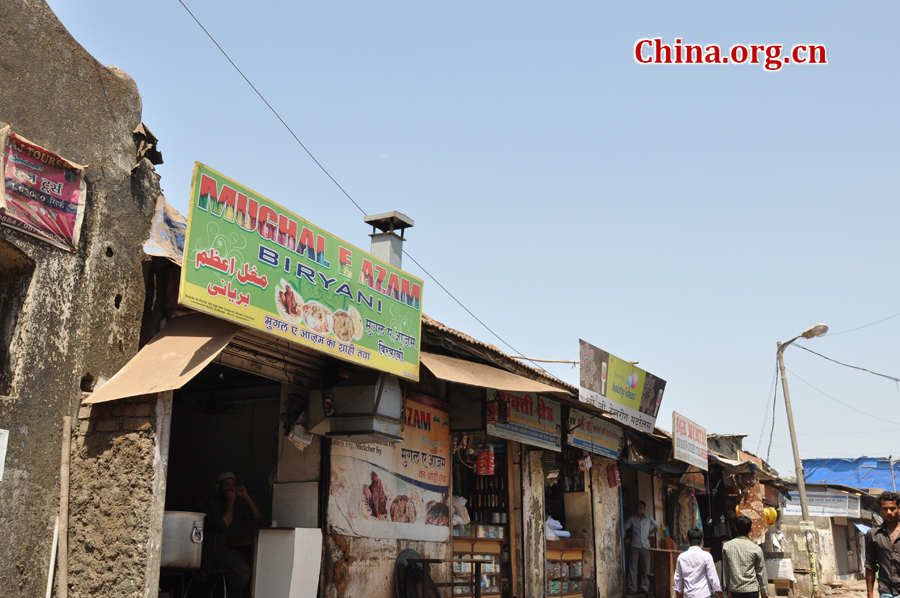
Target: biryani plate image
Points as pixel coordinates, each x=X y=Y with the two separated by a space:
x=343 y=326
x=319 y=318
x=289 y=302
x=357 y=323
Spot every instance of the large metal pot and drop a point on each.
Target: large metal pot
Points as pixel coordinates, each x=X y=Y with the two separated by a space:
x=182 y=539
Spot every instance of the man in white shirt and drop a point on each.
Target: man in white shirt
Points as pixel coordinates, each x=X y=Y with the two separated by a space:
x=640 y=526
x=695 y=573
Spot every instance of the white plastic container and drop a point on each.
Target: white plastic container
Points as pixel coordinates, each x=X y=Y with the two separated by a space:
x=182 y=539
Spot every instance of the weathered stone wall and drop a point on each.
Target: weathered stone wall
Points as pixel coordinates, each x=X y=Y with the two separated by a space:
x=80 y=319
x=607 y=531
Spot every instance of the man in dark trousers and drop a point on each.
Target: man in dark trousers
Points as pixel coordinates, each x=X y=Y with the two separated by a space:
x=640 y=526
x=883 y=551
x=744 y=566
x=223 y=520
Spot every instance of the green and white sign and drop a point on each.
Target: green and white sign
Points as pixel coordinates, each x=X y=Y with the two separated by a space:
x=251 y=261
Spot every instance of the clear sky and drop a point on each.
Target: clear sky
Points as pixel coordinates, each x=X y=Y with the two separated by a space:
x=685 y=216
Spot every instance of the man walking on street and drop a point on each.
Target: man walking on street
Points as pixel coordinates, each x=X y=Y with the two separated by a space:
x=695 y=572
x=744 y=564
x=883 y=551
x=640 y=526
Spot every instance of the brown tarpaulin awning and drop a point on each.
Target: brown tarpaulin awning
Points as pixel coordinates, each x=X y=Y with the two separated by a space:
x=175 y=355
x=485 y=376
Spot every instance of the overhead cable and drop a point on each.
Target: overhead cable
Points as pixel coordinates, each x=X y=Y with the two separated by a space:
x=849 y=366
x=865 y=326
x=878 y=417
x=297 y=139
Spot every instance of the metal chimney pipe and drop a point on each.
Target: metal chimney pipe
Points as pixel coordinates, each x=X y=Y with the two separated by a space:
x=387 y=244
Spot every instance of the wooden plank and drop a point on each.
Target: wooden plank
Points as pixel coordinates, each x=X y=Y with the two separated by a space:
x=535 y=553
x=517 y=569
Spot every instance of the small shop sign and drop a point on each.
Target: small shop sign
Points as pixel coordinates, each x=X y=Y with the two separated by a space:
x=594 y=435
x=251 y=261
x=533 y=419
x=824 y=504
x=689 y=442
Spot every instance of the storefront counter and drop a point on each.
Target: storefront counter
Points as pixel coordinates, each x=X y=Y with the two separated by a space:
x=565 y=567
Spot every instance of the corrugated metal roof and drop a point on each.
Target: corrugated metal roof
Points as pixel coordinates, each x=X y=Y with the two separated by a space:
x=435 y=325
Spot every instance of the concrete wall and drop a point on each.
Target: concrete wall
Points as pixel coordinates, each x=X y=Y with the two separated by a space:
x=79 y=318
x=825 y=560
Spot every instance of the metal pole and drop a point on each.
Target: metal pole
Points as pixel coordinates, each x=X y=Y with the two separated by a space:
x=798 y=465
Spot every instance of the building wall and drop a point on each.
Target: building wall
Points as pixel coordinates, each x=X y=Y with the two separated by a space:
x=78 y=321
x=825 y=559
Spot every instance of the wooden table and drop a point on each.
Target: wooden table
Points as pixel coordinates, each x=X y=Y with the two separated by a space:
x=662 y=566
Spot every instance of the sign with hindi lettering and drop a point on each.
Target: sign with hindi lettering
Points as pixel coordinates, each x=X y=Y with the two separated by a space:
x=594 y=435
x=395 y=490
x=824 y=504
x=533 y=419
x=689 y=442
x=626 y=392
x=44 y=194
x=251 y=261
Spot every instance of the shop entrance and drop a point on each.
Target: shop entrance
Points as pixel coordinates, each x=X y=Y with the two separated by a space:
x=223 y=420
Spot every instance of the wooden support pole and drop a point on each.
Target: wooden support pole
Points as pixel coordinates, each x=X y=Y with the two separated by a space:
x=63 y=589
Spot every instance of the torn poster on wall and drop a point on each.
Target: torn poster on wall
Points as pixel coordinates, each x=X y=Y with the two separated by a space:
x=43 y=193
x=395 y=490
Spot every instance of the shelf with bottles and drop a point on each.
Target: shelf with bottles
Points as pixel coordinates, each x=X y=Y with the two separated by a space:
x=571 y=477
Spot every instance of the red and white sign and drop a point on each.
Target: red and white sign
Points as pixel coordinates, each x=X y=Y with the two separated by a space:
x=689 y=442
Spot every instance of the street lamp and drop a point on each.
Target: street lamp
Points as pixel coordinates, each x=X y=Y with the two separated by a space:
x=805 y=524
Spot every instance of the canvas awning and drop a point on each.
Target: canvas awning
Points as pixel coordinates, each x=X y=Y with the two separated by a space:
x=485 y=376
x=175 y=355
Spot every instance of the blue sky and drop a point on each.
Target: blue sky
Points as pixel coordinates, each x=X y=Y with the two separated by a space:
x=684 y=216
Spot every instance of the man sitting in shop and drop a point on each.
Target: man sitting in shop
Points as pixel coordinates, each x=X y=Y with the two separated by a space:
x=640 y=526
x=695 y=572
x=223 y=521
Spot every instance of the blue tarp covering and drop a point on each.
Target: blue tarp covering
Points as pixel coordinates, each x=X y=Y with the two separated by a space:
x=862 y=528
x=864 y=472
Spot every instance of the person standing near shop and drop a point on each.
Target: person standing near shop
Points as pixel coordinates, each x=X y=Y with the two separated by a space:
x=640 y=527
x=223 y=520
x=744 y=566
x=883 y=551
x=695 y=572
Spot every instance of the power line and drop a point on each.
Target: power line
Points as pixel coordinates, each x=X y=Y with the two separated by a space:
x=878 y=417
x=839 y=433
x=766 y=414
x=278 y=116
x=849 y=366
x=865 y=326
x=358 y=207
x=774 y=402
